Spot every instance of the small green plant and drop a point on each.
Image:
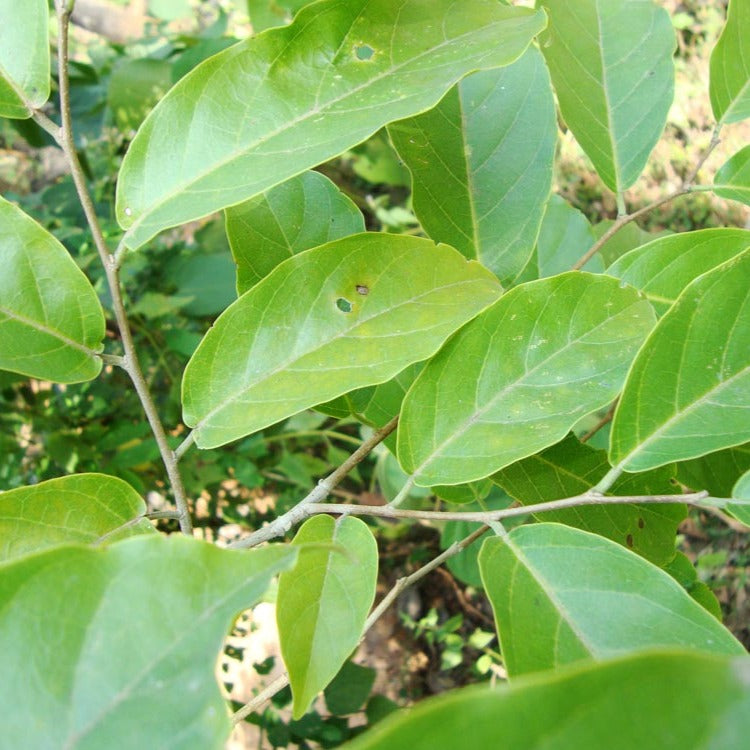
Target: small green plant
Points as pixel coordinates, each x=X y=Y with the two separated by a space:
x=512 y=360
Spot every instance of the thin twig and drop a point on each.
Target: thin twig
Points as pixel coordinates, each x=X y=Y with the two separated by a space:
x=182 y=448
x=621 y=221
x=403 y=583
x=713 y=143
x=130 y=360
x=112 y=359
x=45 y=123
x=487 y=517
x=282 y=524
x=605 y=420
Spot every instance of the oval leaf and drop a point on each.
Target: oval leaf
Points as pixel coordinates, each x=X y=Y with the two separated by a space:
x=730 y=66
x=51 y=322
x=481 y=163
x=571 y=468
x=672 y=701
x=518 y=377
x=282 y=102
x=561 y=595
x=716 y=472
x=341 y=316
x=81 y=508
x=323 y=602
x=688 y=392
x=24 y=57
x=611 y=65
x=733 y=179
x=131 y=659
x=663 y=268
x=304 y=212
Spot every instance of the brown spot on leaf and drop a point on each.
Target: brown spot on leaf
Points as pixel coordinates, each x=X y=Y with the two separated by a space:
x=629 y=540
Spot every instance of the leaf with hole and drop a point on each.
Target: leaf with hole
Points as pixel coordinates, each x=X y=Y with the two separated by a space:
x=518 y=377
x=561 y=595
x=732 y=181
x=481 y=163
x=611 y=66
x=24 y=57
x=136 y=630
x=669 y=701
x=51 y=322
x=303 y=212
x=323 y=602
x=662 y=269
x=341 y=316
x=82 y=508
x=688 y=392
x=730 y=67
x=571 y=468
x=281 y=102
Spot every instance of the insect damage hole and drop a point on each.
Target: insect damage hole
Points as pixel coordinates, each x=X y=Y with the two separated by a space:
x=344 y=305
x=364 y=52
x=362 y=289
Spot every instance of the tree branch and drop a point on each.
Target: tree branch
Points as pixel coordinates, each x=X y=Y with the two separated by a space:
x=130 y=359
x=487 y=517
x=283 y=523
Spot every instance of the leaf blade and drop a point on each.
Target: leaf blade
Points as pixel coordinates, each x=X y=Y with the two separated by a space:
x=729 y=83
x=51 y=321
x=515 y=379
x=339 y=100
x=404 y=295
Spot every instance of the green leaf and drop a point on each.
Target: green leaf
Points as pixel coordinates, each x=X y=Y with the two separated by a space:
x=51 y=322
x=716 y=472
x=611 y=65
x=134 y=89
x=560 y=595
x=741 y=491
x=82 y=508
x=130 y=657
x=663 y=268
x=323 y=602
x=481 y=163
x=684 y=572
x=730 y=67
x=688 y=392
x=565 y=235
x=626 y=238
x=349 y=690
x=669 y=701
x=24 y=57
x=733 y=179
x=571 y=468
x=265 y=14
x=519 y=376
x=208 y=279
x=360 y=310
x=304 y=212
x=279 y=103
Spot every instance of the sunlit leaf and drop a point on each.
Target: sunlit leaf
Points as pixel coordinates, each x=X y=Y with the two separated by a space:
x=561 y=595
x=662 y=268
x=518 y=377
x=733 y=179
x=304 y=212
x=481 y=163
x=338 y=317
x=688 y=392
x=323 y=602
x=611 y=65
x=571 y=468
x=129 y=657
x=279 y=103
x=51 y=322
x=730 y=66
x=24 y=57
x=669 y=701
x=82 y=508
